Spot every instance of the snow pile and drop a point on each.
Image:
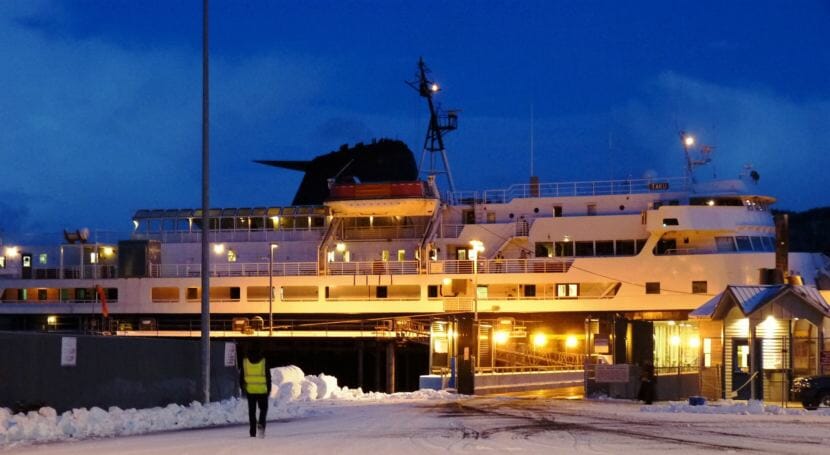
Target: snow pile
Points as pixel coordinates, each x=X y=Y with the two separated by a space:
x=751 y=407
x=290 y=386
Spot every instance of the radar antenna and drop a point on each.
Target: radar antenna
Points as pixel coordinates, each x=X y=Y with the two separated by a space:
x=439 y=123
x=703 y=154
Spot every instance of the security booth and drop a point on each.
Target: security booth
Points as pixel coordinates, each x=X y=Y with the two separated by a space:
x=756 y=339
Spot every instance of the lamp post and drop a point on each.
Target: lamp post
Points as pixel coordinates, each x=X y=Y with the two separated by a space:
x=273 y=247
x=478 y=247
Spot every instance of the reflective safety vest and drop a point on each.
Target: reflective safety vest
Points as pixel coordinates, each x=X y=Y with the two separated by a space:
x=254 y=377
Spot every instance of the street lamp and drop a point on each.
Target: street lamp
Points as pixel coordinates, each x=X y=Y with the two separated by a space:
x=478 y=247
x=273 y=247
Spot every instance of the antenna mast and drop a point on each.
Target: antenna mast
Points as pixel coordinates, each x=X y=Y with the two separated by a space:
x=439 y=123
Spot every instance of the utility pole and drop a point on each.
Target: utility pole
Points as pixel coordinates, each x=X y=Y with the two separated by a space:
x=205 y=209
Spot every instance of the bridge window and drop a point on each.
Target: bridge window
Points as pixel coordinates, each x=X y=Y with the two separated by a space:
x=604 y=247
x=625 y=248
x=744 y=244
x=724 y=244
x=585 y=248
x=699 y=287
x=567 y=290
x=529 y=290
x=563 y=249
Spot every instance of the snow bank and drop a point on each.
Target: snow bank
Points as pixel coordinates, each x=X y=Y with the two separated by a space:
x=290 y=387
x=751 y=407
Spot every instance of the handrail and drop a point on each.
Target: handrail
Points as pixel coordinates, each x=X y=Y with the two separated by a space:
x=373 y=268
x=534 y=265
x=584 y=188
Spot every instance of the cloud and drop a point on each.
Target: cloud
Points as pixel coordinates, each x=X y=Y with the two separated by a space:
x=785 y=139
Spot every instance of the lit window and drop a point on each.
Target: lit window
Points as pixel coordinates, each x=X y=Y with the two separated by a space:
x=231 y=255
x=2 y=262
x=567 y=290
x=93 y=258
x=401 y=255
x=707 y=352
x=42 y=259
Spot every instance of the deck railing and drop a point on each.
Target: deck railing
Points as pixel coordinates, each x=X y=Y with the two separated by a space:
x=373 y=268
x=535 y=265
x=588 y=188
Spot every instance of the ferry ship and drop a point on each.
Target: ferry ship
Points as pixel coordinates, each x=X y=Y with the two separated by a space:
x=568 y=268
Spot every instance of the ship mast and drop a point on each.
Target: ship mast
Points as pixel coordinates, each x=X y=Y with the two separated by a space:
x=439 y=123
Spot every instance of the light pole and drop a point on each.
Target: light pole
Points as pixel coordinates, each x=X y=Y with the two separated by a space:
x=273 y=247
x=478 y=247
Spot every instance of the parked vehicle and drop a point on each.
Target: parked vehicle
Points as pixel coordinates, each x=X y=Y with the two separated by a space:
x=812 y=391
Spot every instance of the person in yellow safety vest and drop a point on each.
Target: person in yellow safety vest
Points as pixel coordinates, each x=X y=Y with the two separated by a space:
x=255 y=380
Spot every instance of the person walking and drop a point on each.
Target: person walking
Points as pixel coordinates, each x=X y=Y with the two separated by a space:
x=647 y=384
x=255 y=380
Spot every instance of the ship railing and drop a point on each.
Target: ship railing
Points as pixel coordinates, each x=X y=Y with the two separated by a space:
x=88 y=271
x=279 y=235
x=450 y=231
x=373 y=268
x=234 y=269
x=586 y=188
x=534 y=265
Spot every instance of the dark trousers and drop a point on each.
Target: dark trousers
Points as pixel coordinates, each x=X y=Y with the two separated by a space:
x=254 y=400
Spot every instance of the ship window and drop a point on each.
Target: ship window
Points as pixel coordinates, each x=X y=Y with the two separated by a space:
x=192 y=294
x=2 y=262
x=592 y=209
x=585 y=248
x=432 y=291
x=183 y=225
x=724 y=244
x=381 y=292
x=757 y=243
x=232 y=256
x=469 y=217
x=42 y=258
x=744 y=244
x=461 y=254
x=640 y=244
x=42 y=294
x=384 y=255
x=401 y=255
x=670 y=222
x=565 y=290
x=557 y=211
x=529 y=290
x=491 y=217
x=563 y=249
x=699 y=287
x=544 y=249
x=769 y=243
x=482 y=292
x=234 y=293
x=604 y=248
x=653 y=287
x=625 y=248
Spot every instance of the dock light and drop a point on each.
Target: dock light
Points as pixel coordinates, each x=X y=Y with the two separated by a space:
x=501 y=336
x=341 y=247
x=107 y=251
x=694 y=342
x=11 y=251
x=710 y=202
x=570 y=341
x=540 y=340
x=478 y=247
x=219 y=248
x=675 y=340
x=688 y=140
x=435 y=87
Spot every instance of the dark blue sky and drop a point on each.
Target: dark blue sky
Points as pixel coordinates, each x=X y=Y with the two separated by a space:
x=100 y=101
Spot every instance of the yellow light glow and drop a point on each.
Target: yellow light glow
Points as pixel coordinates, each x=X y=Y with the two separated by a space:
x=446 y=281
x=107 y=251
x=710 y=202
x=51 y=320
x=570 y=341
x=11 y=251
x=670 y=323
x=501 y=337
x=540 y=339
x=219 y=248
x=675 y=340
x=689 y=140
x=694 y=342
x=769 y=325
x=341 y=247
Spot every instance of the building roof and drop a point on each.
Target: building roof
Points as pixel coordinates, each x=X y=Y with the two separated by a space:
x=751 y=298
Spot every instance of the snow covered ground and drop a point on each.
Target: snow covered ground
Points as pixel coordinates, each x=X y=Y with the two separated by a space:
x=325 y=418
